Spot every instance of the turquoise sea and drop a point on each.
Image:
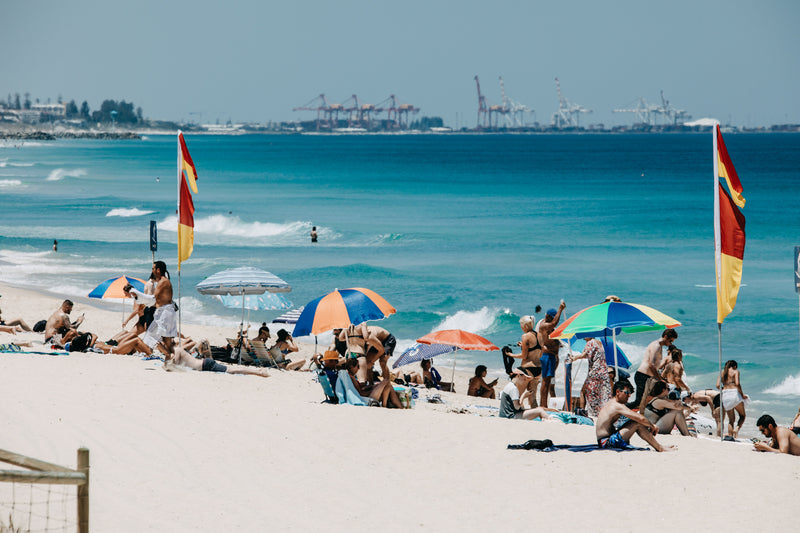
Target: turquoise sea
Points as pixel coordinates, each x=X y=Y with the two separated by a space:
x=467 y=231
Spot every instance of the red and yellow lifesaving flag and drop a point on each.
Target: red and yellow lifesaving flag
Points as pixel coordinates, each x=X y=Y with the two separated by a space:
x=729 y=236
x=187 y=176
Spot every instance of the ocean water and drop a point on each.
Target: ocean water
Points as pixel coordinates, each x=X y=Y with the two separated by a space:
x=466 y=231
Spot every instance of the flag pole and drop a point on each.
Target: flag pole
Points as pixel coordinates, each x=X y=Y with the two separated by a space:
x=178 y=233
x=717 y=270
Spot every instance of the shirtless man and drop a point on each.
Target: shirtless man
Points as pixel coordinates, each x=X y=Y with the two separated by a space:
x=651 y=363
x=783 y=439
x=183 y=358
x=59 y=329
x=673 y=374
x=164 y=327
x=380 y=345
x=610 y=437
x=549 y=358
x=530 y=357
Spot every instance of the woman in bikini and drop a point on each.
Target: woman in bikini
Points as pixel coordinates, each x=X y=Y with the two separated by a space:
x=732 y=396
x=286 y=345
x=663 y=412
x=530 y=356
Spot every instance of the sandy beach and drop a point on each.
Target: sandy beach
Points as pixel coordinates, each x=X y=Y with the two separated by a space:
x=193 y=451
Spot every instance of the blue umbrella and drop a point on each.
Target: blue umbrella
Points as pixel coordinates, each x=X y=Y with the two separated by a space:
x=290 y=317
x=419 y=351
x=608 y=347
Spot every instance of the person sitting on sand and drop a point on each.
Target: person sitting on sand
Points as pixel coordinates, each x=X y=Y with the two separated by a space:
x=184 y=359
x=609 y=436
x=284 y=346
x=478 y=387
x=13 y=326
x=673 y=374
x=784 y=440
x=380 y=391
x=514 y=394
x=662 y=411
x=795 y=427
x=59 y=329
x=732 y=396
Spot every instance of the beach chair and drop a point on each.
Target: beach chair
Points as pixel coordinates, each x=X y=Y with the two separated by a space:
x=236 y=347
x=327 y=388
x=263 y=357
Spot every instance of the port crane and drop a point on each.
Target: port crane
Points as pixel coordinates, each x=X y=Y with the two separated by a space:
x=327 y=113
x=568 y=114
x=483 y=109
x=649 y=113
x=359 y=114
x=397 y=112
x=513 y=111
x=643 y=111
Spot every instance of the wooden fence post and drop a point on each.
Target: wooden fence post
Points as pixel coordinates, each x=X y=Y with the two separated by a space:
x=83 y=491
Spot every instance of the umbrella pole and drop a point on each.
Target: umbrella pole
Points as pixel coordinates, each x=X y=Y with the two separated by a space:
x=241 y=330
x=616 y=358
x=453 y=374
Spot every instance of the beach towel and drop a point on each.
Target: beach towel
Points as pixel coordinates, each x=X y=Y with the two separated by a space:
x=570 y=418
x=10 y=347
x=540 y=446
x=14 y=348
x=346 y=392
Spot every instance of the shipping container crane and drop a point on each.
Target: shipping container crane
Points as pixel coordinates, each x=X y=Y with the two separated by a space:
x=483 y=110
x=643 y=111
x=513 y=111
x=396 y=113
x=568 y=114
x=327 y=114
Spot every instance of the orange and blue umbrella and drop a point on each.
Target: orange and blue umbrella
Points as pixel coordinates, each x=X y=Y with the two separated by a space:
x=341 y=308
x=112 y=288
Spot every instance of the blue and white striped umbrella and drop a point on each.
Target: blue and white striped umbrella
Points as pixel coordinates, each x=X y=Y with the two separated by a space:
x=255 y=302
x=242 y=280
x=418 y=352
x=290 y=317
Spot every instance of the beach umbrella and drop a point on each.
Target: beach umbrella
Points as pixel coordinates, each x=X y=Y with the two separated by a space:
x=340 y=309
x=460 y=339
x=612 y=318
x=418 y=352
x=290 y=317
x=112 y=288
x=242 y=281
x=255 y=302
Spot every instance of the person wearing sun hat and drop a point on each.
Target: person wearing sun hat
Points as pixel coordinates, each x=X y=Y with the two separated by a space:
x=514 y=394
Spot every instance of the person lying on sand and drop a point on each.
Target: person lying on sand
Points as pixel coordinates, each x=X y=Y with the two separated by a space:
x=184 y=359
x=17 y=324
x=608 y=436
x=783 y=439
x=87 y=341
x=514 y=394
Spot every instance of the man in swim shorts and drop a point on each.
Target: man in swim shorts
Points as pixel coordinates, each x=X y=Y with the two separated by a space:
x=608 y=436
x=164 y=328
x=183 y=358
x=550 y=349
x=651 y=364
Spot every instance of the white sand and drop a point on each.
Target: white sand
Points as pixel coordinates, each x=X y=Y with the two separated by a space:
x=194 y=451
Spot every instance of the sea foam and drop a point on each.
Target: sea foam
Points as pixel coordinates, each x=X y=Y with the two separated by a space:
x=10 y=183
x=790 y=386
x=125 y=212
x=60 y=173
x=233 y=226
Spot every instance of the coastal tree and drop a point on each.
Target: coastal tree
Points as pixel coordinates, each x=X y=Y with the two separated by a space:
x=426 y=123
x=16 y=101
x=27 y=103
x=124 y=112
x=85 y=110
x=72 y=109
x=139 y=114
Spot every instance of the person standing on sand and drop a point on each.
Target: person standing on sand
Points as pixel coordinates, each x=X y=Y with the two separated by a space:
x=732 y=396
x=530 y=356
x=164 y=328
x=651 y=363
x=597 y=384
x=550 y=349
x=608 y=436
x=783 y=439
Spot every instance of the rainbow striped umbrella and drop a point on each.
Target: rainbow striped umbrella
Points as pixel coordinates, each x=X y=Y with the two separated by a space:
x=613 y=318
x=112 y=288
x=339 y=309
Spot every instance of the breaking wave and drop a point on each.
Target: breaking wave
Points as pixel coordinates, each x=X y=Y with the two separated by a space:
x=125 y=212
x=60 y=173
x=790 y=386
x=10 y=183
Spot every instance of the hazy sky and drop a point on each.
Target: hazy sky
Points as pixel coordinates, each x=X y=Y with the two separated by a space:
x=254 y=60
